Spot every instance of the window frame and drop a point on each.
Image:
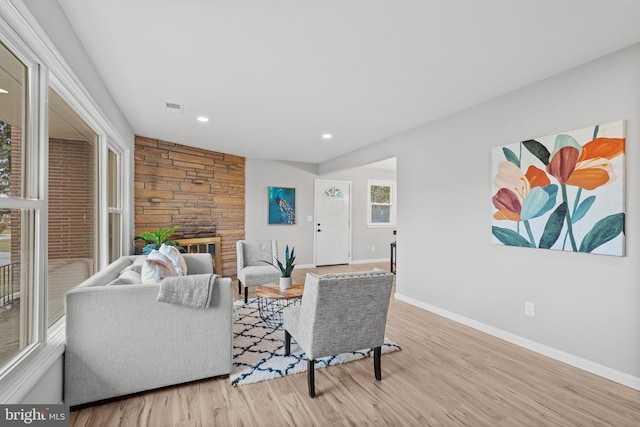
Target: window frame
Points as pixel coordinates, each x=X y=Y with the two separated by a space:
x=118 y=209
x=391 y=204
x=45 y=343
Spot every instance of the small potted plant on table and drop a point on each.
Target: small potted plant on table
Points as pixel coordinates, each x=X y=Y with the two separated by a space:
x=285 y=269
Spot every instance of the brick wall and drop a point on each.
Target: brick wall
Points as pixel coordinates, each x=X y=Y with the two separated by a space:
x=72 y=210
x=16 y=191
x=200 y=191
x=72 y=214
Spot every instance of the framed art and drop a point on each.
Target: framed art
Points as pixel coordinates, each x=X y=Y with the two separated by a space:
x=282 y=205
x=562 y=191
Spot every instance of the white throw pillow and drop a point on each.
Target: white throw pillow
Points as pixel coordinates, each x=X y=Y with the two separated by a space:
x=156 y=268
x=176 y=258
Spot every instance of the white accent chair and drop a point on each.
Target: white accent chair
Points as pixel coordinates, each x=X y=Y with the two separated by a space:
x=340 y=313
x=251 y=270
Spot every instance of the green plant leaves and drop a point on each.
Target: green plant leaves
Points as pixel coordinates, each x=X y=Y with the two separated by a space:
x=287 y=268
x=510 y=237
x=604 y=230
x=155 y=240
x=538 y=150
x=147 y=236
x=553 y=227
x=164 y=234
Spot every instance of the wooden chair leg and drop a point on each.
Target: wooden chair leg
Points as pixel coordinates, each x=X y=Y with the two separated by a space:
x=311 y=378
x=239 y=287
x=246 y=294
x=287 y=343
x=377 y=353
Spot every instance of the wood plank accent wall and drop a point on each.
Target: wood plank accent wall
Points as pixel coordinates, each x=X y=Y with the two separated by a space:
x=200 y=191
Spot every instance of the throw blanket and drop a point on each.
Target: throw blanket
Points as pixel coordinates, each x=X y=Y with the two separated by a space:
x=191 y=291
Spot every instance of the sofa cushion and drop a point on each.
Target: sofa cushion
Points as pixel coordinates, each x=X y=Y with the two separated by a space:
x=258 y=275
x=136 y=266
x=127 y=277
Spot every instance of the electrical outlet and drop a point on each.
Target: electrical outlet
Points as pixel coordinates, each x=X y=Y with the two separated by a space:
x=529 y=309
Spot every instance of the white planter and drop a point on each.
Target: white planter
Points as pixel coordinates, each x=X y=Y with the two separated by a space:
x=285 y=282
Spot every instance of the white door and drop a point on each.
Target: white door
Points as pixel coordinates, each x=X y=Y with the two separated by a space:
x=333 y=222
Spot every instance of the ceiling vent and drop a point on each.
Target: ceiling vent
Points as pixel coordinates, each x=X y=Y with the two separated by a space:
x=172 y=107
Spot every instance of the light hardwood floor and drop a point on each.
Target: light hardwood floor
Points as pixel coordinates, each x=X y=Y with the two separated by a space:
x=446 y=375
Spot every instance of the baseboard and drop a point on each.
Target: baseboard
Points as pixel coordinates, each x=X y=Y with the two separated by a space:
x=570 y=359
x=305 y=266
x=362 y=261
x=369 y=261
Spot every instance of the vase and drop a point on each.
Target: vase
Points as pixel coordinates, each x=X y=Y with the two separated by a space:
x=285 y=283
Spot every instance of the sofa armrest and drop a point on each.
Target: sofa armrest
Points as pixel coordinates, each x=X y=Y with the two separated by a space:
x=199 y=263
x=121 y=340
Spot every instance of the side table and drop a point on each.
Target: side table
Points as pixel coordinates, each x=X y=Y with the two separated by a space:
x=272 y=300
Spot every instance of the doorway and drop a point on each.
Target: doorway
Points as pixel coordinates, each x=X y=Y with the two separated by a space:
x=333 y=222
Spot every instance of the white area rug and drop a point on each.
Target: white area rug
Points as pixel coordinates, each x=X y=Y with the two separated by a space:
x=258 y=350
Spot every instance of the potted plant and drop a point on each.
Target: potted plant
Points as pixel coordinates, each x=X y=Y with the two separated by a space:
x=155 y=240
x=285 y=269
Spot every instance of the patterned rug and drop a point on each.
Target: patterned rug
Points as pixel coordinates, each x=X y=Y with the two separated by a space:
x=258 y=350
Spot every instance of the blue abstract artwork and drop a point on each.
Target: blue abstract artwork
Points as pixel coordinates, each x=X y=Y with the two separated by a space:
x=282 y=205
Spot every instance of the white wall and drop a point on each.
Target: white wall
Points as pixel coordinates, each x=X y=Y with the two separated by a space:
x=53 y=21
x=587 y=306
x=49 y=387
x=261 y=174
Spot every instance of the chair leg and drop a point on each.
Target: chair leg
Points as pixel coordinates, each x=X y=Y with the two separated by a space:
x=287 y=343
x=239 y=287
x=246 y=294
x=311 y=378
x=377 y=353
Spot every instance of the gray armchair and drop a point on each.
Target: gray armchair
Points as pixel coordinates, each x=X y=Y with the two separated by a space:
x=339 y=313
x=251 y=270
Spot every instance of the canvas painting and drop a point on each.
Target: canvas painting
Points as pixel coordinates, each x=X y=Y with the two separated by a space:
x=282 y=205
x=563 y=191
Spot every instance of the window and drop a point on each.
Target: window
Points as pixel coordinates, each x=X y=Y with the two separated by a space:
x=381 y=204
x=72 y=203
x=63 y=205
x=115 y=205
x=18 y=208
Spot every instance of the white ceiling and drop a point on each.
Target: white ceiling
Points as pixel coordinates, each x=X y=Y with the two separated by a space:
x=274 y=75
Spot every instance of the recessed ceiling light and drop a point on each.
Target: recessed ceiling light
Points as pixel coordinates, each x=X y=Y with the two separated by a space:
x=203 y=119
x=327 y=136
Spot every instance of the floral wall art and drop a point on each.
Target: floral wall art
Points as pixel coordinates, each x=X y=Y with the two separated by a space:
x=563 y=192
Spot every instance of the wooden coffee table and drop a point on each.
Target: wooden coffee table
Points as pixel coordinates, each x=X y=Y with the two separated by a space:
x=272 y=300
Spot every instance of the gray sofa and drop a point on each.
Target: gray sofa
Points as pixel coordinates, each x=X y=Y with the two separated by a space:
x=121 y=340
